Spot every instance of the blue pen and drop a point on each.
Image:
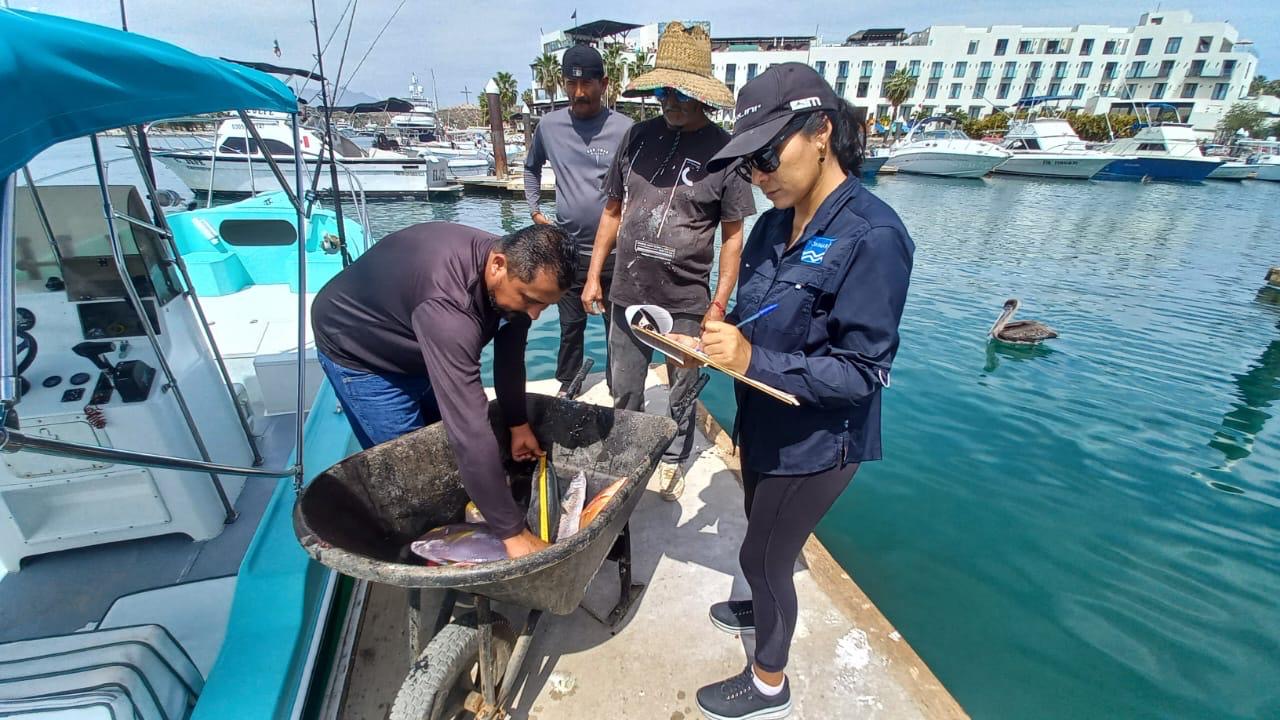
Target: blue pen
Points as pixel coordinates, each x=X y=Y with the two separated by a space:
x=758 y=314
x=750 y=318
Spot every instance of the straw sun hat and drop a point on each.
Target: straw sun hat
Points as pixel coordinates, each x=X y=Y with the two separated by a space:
x=684 y=63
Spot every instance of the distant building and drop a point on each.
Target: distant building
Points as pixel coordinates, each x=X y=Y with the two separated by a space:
x=602 y=34
x=1198 y=68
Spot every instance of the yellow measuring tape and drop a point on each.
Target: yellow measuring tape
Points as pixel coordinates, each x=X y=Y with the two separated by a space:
x=544 y=520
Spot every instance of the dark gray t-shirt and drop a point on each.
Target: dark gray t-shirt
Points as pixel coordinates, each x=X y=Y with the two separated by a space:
x=580 y=151
x=671 y=207
x=416 y=304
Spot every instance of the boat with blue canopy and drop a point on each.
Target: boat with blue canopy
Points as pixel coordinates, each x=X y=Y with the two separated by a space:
x=1166 y=151
x=153 y=384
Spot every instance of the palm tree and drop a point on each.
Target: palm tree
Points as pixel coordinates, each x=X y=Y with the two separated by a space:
x=507 y=92
x=615 y=68
x=547 y=72
x=639 y=65
x=898 y=88
x=526 y=97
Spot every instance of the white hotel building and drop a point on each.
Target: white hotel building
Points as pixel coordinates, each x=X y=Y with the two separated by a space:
x=1200 y=68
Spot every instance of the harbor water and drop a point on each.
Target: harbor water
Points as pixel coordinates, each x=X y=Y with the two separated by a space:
x=1086 y=529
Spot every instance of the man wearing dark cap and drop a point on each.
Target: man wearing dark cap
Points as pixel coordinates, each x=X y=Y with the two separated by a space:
x=579 y=141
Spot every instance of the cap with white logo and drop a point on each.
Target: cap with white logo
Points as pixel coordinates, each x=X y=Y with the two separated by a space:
x=582 y=61
x=768 y=102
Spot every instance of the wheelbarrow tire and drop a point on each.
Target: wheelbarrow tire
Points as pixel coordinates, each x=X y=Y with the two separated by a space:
x=440 y=680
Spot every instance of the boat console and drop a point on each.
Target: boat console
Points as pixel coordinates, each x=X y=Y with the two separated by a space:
x=90 y=376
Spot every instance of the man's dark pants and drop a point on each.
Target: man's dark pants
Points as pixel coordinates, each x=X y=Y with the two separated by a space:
x=573 y=322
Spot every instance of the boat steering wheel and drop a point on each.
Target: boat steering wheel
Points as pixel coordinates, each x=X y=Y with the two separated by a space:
x=26 y=348
x=25 y=351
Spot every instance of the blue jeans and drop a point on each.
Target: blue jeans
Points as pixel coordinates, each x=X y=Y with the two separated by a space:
x=381 y=406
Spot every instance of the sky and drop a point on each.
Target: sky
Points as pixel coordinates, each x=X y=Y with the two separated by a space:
x=466 y=42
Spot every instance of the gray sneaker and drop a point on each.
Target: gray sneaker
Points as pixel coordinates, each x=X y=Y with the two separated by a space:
x=738 y=699
x=735 y=617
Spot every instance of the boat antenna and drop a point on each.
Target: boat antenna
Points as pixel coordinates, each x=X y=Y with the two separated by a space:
x=328 y=134
x=435 y=94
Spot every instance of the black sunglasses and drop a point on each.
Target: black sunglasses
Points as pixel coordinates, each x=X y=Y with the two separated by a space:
x=767 y=159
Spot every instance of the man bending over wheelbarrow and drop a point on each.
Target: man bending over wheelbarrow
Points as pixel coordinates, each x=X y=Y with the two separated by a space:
x=399 y=334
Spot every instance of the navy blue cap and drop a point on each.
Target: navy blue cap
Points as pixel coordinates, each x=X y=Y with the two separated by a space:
x=767 y=102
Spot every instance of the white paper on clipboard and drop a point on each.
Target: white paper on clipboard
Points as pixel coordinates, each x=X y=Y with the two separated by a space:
x=650 y=323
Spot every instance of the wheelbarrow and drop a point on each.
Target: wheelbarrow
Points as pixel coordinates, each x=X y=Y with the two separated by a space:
x=359 y=516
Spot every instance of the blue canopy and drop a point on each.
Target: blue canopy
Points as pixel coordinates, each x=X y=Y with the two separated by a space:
x=65 y=79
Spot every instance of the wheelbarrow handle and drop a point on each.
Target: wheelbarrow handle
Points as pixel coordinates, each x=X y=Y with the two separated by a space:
x=575 y=385
x=685 y=405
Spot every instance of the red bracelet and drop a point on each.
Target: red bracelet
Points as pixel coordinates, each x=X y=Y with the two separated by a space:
x=718 y=304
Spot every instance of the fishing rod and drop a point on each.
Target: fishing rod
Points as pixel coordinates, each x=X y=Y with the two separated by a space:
x=328 y=133
x=307 y=81
x=342 y=59
x=373 y=44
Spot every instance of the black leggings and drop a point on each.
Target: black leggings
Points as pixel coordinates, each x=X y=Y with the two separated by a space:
x=782 y=510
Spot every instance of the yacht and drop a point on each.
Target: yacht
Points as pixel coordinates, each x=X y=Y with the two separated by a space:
x=1159 y=151
x=420 y=122
x=1049 y=147
x=937 y=146
x=235 y=163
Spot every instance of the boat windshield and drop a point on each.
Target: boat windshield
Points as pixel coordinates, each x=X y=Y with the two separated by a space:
x=243 y=145
x=1021 y=144
x=942 y=134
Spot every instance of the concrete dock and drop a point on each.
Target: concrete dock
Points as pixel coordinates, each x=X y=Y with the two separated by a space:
x=847 y=661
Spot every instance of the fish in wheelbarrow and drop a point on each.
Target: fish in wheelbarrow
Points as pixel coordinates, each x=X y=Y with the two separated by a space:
x=600 y=502
x=459 y=544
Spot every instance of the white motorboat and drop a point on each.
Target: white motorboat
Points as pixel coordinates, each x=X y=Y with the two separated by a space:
x=936 y=146
x=1234 y=170
x=1235 y=164
x=1264 y=157
x=1047 y=146
x=236 y=164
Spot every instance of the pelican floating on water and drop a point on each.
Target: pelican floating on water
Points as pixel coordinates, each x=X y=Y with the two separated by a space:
x=1025 y=332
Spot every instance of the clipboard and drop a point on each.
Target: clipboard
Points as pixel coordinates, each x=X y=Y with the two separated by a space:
x=680 y=353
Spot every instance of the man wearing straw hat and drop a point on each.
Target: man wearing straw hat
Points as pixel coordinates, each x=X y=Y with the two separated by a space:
x=662 y=212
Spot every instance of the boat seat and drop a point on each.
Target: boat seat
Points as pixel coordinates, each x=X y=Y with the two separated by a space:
x=216 y=273
x=105 y=704
x=132 y=672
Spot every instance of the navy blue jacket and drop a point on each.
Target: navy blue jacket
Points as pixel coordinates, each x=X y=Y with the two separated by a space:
x=840 y=291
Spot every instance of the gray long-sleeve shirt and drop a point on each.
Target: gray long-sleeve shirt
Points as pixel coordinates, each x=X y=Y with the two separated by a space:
x=416 y=304
x=580 y=152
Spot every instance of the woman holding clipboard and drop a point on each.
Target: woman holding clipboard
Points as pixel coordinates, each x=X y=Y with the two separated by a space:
x=836 y=261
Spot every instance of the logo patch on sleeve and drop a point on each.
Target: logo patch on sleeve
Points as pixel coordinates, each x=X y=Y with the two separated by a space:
x=815 y=250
